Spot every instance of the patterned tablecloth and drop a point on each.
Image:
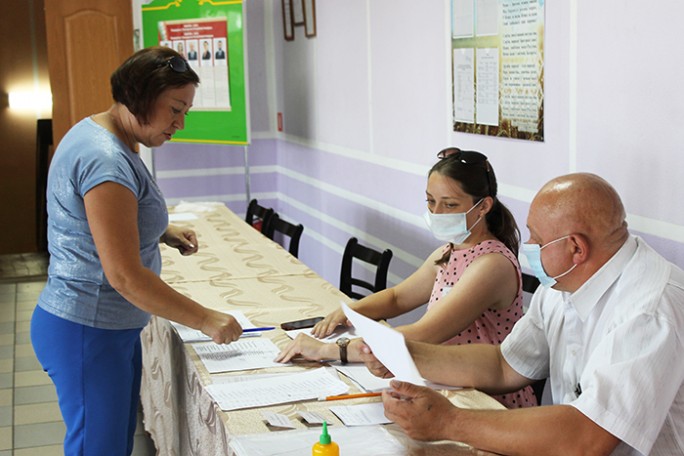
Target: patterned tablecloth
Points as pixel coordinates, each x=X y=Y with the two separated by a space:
x=238 y=268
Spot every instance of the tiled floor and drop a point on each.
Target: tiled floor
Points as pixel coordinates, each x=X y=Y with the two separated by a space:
x=30 y=421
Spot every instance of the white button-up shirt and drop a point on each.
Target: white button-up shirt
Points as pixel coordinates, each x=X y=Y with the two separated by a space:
x=614 y=349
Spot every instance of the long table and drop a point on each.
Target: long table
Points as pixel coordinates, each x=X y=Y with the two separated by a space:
x=237 y=268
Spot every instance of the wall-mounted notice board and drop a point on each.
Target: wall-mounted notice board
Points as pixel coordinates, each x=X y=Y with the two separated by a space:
x=210 y=34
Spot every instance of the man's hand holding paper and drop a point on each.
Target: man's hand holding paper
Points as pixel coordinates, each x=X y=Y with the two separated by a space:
x=388 y=347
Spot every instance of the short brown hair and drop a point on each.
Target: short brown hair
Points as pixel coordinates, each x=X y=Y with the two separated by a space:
x=139 y=81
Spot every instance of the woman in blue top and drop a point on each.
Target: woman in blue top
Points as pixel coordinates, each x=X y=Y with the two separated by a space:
x=106 y=217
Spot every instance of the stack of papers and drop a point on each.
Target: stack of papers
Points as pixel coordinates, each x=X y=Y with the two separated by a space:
x=243 y=354
x=280 y=389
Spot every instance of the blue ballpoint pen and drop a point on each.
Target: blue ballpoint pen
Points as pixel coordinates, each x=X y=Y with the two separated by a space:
x=265 y=328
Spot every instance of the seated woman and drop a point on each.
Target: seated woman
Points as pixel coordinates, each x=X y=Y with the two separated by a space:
x=472 y=284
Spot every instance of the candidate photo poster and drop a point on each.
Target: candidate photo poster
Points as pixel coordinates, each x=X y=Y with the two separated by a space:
x=204 y=44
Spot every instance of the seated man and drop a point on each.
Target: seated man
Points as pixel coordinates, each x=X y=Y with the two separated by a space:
x=607 y=330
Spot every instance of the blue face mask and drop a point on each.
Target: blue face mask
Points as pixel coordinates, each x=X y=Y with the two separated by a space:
x=533 y=254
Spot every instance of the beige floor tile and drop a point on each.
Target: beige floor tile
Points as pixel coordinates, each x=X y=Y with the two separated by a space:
x=24 y=350
x=7 y=316
x=26 y=363
x=5 y=438
x=31 y=378
x=36 y=413
x=7 y=327
x=40 y=434
x=30 y=287
x=6 y=339
x=26 y=306
x=5 y=397
x=22 y=326
x=51 y=450
x=22 y=338
x=6 y=365
x=35 y=394
x=24 y=315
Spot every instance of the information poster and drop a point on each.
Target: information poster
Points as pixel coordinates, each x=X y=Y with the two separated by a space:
x=498 y=67
x=210 y=35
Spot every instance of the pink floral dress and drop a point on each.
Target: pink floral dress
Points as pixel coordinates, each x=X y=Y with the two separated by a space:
x=493 y=325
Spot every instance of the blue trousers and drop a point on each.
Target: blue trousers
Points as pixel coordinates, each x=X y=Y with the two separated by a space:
x=97 y=375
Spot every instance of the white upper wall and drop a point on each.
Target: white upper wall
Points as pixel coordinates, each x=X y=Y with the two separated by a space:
x=376 y=83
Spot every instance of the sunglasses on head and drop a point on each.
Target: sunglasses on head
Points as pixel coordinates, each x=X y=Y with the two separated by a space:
x=177 y=64
x=468 y=157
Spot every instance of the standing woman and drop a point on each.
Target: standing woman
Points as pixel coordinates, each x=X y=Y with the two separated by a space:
x=472 y=285
x=106 y=217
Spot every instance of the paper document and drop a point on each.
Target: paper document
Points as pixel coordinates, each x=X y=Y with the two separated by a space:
x=182 y=217
x=388 y=346
x=243 y=354
x=361 y=414
x=277 y=390
x=360 y=375
x=195 y=335
x=373 y=440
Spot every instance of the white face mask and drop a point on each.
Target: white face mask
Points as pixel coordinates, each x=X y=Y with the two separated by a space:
x=450 y=227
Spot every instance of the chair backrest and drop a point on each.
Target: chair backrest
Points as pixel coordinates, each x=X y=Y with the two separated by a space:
x=258 y=216
x=529 y=283
x=354 y=250
x=276 y=224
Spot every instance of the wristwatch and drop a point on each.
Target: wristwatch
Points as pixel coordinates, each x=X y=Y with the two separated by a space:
x=343 y=342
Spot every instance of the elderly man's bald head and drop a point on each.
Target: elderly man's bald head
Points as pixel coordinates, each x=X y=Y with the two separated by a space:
x=581 y=203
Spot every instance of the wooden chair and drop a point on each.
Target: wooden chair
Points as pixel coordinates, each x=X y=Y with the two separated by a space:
x=294 y=232
x=381 y=261
x=258 y=216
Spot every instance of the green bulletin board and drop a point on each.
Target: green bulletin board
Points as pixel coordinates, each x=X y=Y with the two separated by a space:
x=210 y=34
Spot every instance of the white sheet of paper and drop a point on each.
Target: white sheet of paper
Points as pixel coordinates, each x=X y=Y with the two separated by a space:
x=312 y=417
x=182 y=217
x=360 y=375
x=285 y=388
x=247 y=378
x=374 y=440
x=388 y=346
x=277 y=420
x=243 y=354
x=361 y=414
x=195 y=335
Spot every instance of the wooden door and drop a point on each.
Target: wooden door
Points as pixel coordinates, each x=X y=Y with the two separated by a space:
x=86 y=41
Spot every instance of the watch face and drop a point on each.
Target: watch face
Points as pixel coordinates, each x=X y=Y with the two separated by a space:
x=343 y=341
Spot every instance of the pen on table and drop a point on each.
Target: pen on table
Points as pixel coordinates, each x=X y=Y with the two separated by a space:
x=264 y=328
x=349 y=396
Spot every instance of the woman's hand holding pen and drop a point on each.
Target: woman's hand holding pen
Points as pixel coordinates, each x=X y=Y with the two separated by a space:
x=183 y=239
x=221 y=327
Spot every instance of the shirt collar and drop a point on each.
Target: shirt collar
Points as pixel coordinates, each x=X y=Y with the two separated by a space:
x=588 y=295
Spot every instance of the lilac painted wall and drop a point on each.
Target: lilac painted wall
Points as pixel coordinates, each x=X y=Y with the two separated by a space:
x=367 y=104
